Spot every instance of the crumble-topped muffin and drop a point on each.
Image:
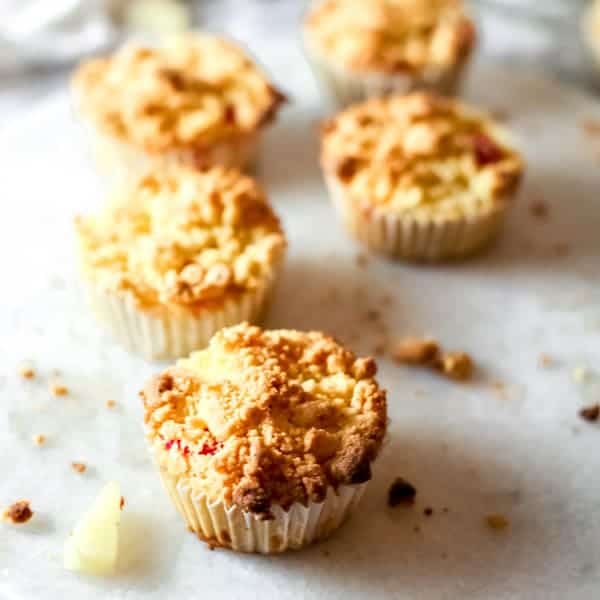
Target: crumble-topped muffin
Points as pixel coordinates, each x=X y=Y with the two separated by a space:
x=262 y=421
x=197 y=99
x=419 y=175
x=185 y=251
x=371 y=48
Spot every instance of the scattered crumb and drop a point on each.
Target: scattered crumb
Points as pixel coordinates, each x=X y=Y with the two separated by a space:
x=58 y=389
x=79 y=467
x=26 y=372
x=445 y=510
x=326 y=553
x=373 y=315
x=110 y=404
x=122 y=503
x=39 y=439
x=361 y=260
x=579 y=374
x=496 y=522
x=428 y=511
x=444 y=555
x=499 y=388
x=560 y=249
x=401 y=492
x=545 y=361
x=590 y=413
x=456 y=365
x=379 y=350
x=386 y=300
x=591 y=126
x=416 y=529
x=17 y=513
x=539 y=209
x=416 y=351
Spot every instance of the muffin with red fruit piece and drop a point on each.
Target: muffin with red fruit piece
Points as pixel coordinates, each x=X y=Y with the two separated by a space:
x=265 y=439
x=420 y=176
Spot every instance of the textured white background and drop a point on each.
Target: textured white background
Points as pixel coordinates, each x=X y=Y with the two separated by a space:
x=523 y=453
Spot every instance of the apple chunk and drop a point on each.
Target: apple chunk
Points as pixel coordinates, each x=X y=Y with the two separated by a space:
x=92 y=547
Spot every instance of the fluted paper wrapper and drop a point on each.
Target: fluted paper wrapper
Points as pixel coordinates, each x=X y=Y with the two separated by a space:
x=231 y=527
x=163 y=334
x=405 y=237
x=346 y=87
x=117 y=160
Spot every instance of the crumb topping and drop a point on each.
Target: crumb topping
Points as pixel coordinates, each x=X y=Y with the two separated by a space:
x=182 y=238
x=18 y=513
x=264 y=417
x=194 y=90
x=392 y=36
x=419 y=154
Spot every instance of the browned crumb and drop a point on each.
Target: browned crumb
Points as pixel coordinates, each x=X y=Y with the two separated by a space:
x=544 y=360
x=122 y=503
x=17 y=513
x=538 y=209
x=401 y=492
x=590 y=413
x=379 y=350
x=497 y=522
x=501 y=115
x=560 y=249
x=373 y=315
x=445 y=510
x=58 y=389
x=416 y=529
x=456 y=365
x=39 y=439
x=444 y=555
x=79 y=467
x=361 y=260
x=326 y=553
x=591 y=126
x=26 y=372
x=110 y=404
x=416 y=351
x=428 y=511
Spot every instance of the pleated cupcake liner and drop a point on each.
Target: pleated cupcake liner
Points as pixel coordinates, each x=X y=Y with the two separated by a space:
x=345 y=87
x=231 y=527
x=406 y=237
x=164 y=334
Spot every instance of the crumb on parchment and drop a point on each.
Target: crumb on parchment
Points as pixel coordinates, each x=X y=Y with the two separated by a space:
x=39 y=439
x=58 y=389
x=591 y=414
x=18 y=513
x=26 y=371
x=110 y=404
x=401 y=492
x=79 y=467
x=496 y=522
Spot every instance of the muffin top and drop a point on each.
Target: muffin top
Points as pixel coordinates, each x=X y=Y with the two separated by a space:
x=182 y=238
x=419 y=154
x=267 y=417
x=391 y=36
x=195 y=90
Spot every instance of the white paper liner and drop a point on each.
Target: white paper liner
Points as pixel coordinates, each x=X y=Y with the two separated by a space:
x=422 y=240
x=231 y=527
x=117 y=160
x=164 y=334
x=346 y=87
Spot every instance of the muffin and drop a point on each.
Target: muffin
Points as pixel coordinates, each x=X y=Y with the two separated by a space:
x=360 y=49
x=264 y=440
x=176 y=255
x=197 y=100
x=419 y=176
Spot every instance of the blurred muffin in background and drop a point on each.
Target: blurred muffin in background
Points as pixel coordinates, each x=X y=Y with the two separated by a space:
x=360 y=49
x=197 y=100
x=419 y=176
x=177 y=254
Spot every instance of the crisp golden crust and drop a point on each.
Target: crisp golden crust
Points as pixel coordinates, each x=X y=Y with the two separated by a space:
x=392 y=36
x=195 y=91
x=420 y=155
x=267 y=417
x=180 y=238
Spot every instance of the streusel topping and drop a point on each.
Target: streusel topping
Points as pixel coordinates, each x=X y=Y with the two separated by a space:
x=392 y=35
x=419 y=154
x=264 y=417
x=195 y=90
x=183 y=238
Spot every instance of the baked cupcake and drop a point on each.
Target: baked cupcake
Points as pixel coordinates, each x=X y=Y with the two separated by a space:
x=264 y=440
x=360 y=49
x=176 y=255
x=197 y=100
x=419 y=176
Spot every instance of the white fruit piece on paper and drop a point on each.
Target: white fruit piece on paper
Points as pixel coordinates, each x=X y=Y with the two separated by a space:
x=93 y=546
